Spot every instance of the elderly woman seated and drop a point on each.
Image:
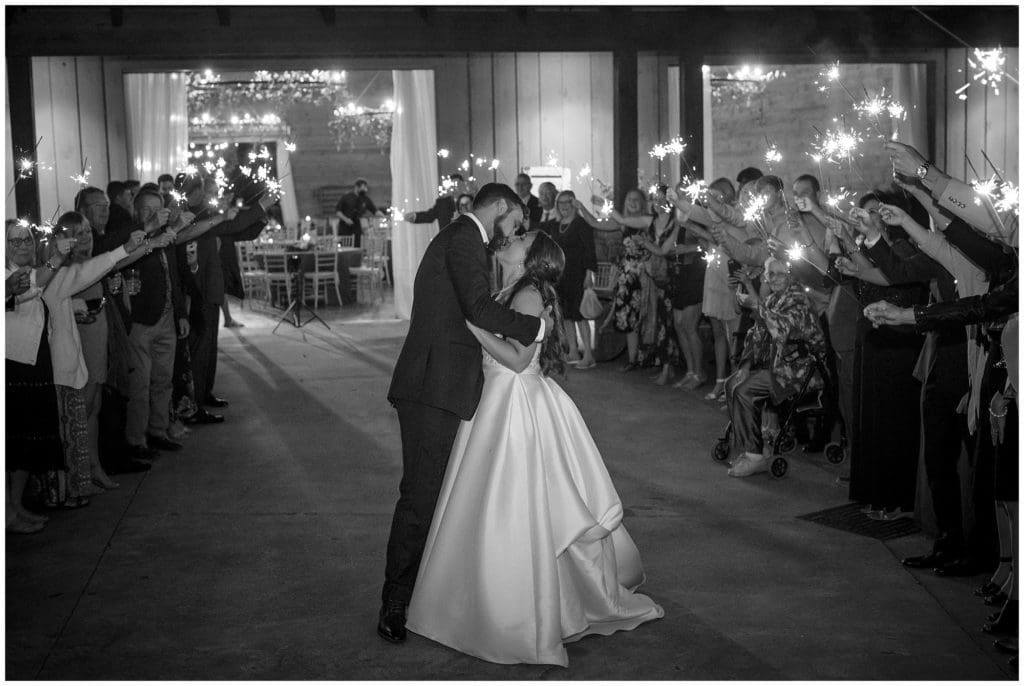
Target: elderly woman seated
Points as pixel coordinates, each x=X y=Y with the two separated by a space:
x=778 y=356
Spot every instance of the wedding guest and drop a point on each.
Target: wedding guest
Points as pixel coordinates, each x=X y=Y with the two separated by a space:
x=547 y=193
x=120 y=196
x=523 y=186
x=883 y=453
x=574 y=235
x=631 y=313
x=444 y=209
x=464 y=204
x=74 y=272
x=165 y=184
x=32 y=432
x=772 y=366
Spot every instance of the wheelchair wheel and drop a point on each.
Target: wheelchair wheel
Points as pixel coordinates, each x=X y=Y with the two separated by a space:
x=834 y=453
x=720 y=451
x=785 y=443
x=779 y=467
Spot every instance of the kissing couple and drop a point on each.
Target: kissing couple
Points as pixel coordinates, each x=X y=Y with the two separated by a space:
x=507 y=539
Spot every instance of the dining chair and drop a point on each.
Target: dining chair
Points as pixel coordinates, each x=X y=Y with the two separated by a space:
x=324 y=274
x=275 y=264
x=254 y=282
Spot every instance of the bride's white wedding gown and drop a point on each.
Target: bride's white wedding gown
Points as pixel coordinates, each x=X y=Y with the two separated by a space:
x=526 y=549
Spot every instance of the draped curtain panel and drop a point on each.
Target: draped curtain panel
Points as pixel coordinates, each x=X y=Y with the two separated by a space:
x=413 y=177
x=157 y=113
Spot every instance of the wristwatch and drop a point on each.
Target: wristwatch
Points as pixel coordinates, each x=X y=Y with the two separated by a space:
x=922 y=171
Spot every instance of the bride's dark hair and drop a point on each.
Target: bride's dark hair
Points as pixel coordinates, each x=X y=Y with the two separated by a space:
x=543 y=266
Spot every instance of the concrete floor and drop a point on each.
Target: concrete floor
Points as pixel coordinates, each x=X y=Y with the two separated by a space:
x=257 y=553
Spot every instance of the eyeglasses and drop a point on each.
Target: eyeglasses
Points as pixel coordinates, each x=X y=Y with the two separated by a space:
x=20 y=242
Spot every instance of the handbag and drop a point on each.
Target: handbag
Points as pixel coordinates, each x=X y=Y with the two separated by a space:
x=590 y=307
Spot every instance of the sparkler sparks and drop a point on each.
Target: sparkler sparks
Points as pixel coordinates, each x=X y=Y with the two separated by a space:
x=290 y=147
x=834 y=199
x=796 y=252
x=607 y=208
x=755 y=208
x=989 y=69
x=465 y=165
x=584 y=171
x=1009 y=198
x=836 y=145
x=827 y=77
x=772 y=155
x=443 y=153
x=494 y=164
x=697 y=190
x=672 y=147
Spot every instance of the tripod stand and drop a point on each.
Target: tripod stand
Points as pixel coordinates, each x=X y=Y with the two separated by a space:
x=293 y=315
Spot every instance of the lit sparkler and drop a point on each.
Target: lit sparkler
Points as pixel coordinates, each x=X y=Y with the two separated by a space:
x=697 y=190
x=796 y=252
x=465 y=165
x=607 y=208
x=443 y=153
x=1009 y=198
x=494 y=164
x=827 y=77
x=755 y=208
x=836 y=145
x=772 y=155
x=290 y=147
x=672 y=147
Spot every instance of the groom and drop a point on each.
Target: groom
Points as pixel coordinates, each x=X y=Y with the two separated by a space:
x=438 y=378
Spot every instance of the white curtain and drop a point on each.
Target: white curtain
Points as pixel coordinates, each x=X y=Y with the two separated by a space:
x=289 y=205
x=413 y=177
x=910 y=87
x=157 y=114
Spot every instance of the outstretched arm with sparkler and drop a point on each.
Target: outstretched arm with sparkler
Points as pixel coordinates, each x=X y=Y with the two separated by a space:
x=594 y=222
x=972 y=204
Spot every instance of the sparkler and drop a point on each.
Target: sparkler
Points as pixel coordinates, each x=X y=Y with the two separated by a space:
x=697 y=190
x=290 y=147
x=1009 y=198
x=796 y=252
x=990 y=68
x=443 y=153
x=465 y=165
x=552 y=159
x=672 y=147
x=826 y=77
x=874 y=107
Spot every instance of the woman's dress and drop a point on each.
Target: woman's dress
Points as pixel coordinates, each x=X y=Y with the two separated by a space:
x=632 y=285
x=526 y=550
x=577 y=242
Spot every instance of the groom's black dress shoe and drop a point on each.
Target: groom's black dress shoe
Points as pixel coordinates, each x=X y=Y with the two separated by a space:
x=391 y=625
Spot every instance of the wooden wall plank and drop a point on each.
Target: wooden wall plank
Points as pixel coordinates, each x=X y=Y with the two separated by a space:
x=956 y=113
x=453 y=111
x=117 y=126
x=527 y=113
x=602 y=97
x=553 y=123
x=10 y=175
x=46 y=153
x=1011 y=118
x=92 y=119
x=481 y=105
x=67 y=142
x=506 y=145
x=647 y=113
x=576 y=109
x=976 y=130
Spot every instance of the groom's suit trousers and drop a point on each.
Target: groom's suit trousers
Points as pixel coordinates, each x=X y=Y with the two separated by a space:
x=428 y=434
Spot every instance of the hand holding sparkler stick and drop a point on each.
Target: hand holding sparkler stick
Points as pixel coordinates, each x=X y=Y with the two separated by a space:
x=906 y=160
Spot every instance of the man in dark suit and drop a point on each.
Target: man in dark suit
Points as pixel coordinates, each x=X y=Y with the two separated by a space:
x=533 y=209
x=210 y=284
x=438 y=377
x=121 y=204
x=444 y=209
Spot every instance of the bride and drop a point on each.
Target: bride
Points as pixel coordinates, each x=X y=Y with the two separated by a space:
x=526 y=550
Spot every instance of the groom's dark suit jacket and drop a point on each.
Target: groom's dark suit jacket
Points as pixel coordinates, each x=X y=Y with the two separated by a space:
x=439 y=365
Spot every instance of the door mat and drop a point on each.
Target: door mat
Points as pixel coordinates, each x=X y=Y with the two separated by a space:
x=850 y=518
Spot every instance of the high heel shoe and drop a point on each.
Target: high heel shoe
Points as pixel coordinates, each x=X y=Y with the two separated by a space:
x=107 y=485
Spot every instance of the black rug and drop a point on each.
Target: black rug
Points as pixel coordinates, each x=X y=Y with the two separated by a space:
x=850 y=518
